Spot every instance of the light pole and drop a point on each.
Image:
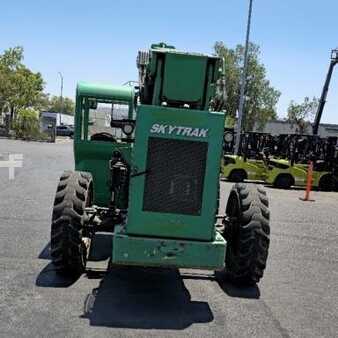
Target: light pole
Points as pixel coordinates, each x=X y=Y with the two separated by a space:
x=243 y=82
x=61 y=92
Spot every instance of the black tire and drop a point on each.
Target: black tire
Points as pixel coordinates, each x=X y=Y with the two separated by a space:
x=68 y=248
x=237 y=175
x=247 y=234
x=326 y=183
x=284 y=181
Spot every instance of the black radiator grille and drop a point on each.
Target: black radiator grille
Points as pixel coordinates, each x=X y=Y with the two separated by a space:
x=175 y=178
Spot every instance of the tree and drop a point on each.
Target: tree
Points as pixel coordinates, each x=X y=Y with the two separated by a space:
x=20 y=88
x=65 y=106
x=26 y=124
x=302 y=114
x=260 y=97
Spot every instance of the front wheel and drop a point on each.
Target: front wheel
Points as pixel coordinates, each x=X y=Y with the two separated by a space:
x=247 y=234
x=69 y=240
x=283 y=181
x=237 y=175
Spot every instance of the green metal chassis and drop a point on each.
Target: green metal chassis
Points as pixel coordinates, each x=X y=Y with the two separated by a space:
x=166 y=252
x=153 y=239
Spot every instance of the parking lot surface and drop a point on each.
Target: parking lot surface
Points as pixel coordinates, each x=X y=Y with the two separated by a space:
x=298 y=296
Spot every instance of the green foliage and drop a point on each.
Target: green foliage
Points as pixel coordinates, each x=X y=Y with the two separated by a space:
x=229 y=121
x=301 y=114
x=19 y=86
x=66 y=106
x=11 y=58
x=26 y=124
x=261 y=97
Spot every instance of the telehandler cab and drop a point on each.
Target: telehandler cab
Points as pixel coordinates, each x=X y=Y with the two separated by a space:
x=147 y=165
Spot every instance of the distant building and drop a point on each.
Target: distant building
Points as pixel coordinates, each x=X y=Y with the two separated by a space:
x=277 y=127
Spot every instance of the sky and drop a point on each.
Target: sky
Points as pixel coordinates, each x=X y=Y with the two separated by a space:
x=97 y=41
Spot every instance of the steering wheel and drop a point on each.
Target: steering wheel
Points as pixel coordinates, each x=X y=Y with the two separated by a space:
x=106 y=137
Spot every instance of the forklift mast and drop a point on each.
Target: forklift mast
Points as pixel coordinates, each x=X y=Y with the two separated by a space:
x=334 y=61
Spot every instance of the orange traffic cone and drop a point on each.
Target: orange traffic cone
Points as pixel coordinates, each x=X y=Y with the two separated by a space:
x=308 y=183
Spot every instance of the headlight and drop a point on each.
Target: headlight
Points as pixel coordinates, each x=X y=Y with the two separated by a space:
x=128 y=129
x=228 y=137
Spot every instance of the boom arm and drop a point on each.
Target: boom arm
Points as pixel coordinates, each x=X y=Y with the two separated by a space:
x=334 y=61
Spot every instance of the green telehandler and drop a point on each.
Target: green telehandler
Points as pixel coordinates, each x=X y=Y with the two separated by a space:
x=147 y=165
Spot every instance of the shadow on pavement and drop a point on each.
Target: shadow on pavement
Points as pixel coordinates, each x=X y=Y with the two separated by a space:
x=230 y=289
x=100 y=251
x=249 y=292
x=48 y=277
x=130 y=297
x=101 y=247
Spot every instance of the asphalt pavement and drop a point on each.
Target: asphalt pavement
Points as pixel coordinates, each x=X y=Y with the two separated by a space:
x=298 y=296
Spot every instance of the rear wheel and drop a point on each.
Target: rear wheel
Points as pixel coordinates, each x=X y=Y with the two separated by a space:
x=237 y=175
x=283 y=181
x=326 y=183
x=69 y=238
x=247 y=234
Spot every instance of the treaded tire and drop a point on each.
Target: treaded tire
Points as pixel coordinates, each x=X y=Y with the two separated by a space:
x=247 y=234
x=237 y=175
x=283 y=181
x=326 y=183
x=68 y=250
